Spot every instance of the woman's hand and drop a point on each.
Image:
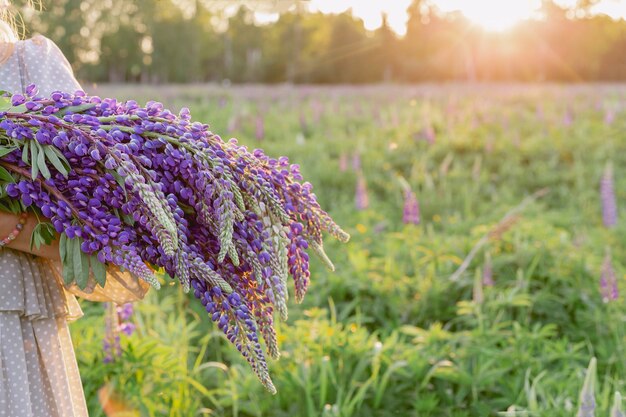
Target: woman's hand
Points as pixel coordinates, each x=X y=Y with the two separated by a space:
x=22 y=241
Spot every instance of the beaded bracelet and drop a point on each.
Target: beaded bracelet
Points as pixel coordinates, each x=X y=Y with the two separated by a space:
x=16 y=231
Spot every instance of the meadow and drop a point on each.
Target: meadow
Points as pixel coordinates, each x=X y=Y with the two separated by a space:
x=509 y=174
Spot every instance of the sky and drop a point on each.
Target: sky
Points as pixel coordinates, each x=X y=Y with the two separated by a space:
x=491 y=14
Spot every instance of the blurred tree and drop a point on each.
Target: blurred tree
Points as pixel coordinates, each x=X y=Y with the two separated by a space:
x=161 y=41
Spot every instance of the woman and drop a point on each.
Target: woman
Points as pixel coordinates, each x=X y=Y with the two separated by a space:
x=38 y=370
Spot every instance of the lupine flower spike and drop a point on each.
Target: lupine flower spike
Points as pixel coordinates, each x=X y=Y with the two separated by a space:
x=608 y=279
x=607 y=195
x=116 y=321
x=146 y=189
x=616 y=410
x=360 y=199
x=587 y=405
x=411 y=209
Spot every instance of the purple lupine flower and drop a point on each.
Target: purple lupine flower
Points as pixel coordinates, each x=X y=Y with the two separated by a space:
x=356 y=161
x=259 y=127
x=607 y=196
x=361 y=200
x=248 y=220
x=587 y=405
x=411 y=210
x=127 y=328
x=125 y=311
x=568 y=117
x=608 y=279
x=111 y=341
x=117 y=320
x=616 y=410
x=429 y=134
x=609 y=116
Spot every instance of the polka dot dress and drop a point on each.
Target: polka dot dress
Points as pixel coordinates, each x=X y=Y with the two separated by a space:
x=38 y=371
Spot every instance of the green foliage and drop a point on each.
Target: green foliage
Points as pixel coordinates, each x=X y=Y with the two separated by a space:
x=142 y=41
x=388 y=333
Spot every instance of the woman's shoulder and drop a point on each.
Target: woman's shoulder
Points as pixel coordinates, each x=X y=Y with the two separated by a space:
x=39 y=41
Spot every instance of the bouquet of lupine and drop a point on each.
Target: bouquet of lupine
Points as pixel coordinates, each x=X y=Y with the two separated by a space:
x=146 y=189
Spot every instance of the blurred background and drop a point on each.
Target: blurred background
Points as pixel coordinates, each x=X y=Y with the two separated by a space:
x=338 y=41
x=475 y=151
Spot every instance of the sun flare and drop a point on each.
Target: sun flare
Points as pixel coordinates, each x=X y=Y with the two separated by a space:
x=497 y=16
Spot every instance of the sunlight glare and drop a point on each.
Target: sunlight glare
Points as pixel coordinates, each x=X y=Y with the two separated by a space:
x=492 y=15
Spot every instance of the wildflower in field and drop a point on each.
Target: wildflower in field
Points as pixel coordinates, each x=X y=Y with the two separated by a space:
x=411 y=210
x=609 y=116
x=259 y=128
x=616 y=410
x=111 y=341
x=568 y=118
x=587 y=405
x=361 y=200
x=488 y=271
x=380 y=227
x=608 y=279
x=607 y=195
x=116 y=320
x=356 y=161
x=426 y=134
x=233 y=123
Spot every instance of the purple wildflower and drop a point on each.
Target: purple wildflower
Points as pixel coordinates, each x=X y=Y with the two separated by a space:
x=411 y=210
x=607 y=195
x=259 y=128
x=608 y=279
x=246 y=227
x=609 y=116
x=356 y=162
x=361 y=199
x=568 y=117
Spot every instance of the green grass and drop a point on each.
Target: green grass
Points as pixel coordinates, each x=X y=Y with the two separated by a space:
x=389 y=333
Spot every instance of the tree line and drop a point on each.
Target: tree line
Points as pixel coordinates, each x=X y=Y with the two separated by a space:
x=180 y=41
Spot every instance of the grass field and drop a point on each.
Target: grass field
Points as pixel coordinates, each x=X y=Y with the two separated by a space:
x=394 y=331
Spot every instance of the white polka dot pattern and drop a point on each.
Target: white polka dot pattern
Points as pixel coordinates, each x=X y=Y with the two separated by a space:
x=38 y=371
x=46 y=66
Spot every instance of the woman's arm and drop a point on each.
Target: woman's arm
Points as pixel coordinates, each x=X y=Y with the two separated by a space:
x=22 y=241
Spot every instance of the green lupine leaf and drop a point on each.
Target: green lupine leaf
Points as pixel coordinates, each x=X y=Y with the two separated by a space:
x=5 y=102
x=74 y=109
x=128 y=219
x=41 y=162
x=34 y=168
x=36 y=239
x=6 y=151
x=62 y=247
x=83 y=277
x=25 y=152
x=18 y=109
x=99 y=270
x=66 y=246
x=5 y=176
x=52 y=156
x=77 y=260
x=120 y=181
